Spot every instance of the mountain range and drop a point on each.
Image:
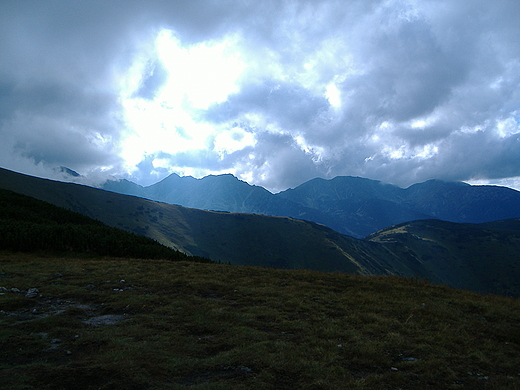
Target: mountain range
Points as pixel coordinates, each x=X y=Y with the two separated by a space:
x=350 y=205
x=481 y=257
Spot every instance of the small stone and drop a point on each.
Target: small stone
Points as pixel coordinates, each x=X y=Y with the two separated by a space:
x=3 y=289
x=15 y=290
x=68 y=352
x=32 y=293
x=394 y=368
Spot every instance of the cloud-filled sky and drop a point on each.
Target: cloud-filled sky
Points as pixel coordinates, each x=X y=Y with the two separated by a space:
x=275 y=91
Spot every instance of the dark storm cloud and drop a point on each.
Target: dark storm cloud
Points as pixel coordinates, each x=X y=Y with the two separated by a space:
x=280 y=160
x=290 y=105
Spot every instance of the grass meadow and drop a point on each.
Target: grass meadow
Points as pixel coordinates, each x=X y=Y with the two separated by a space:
x=107 y=323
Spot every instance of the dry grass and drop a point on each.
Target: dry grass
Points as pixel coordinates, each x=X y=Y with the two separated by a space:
x=209 y=326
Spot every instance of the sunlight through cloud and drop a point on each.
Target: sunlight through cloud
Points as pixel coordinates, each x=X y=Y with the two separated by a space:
x=197 y=76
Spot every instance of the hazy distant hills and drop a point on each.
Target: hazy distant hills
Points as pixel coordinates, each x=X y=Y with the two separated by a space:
x=220 y=193
x=480 y=257
x=350 y=205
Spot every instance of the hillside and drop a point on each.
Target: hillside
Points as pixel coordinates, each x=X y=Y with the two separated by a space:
x=29 y=225
x=479 y=257
x=142 y=324
x=219 y=193
x=366 y=206
x=350 y=205
x=463 y=256
x=242 y=239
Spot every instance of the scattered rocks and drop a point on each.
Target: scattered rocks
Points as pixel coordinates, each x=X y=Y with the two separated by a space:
x=55 y=343
x=31 y=293
x=106 y=284
x=46 y=307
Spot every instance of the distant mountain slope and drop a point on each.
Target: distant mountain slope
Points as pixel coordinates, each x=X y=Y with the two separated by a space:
x=461 y=202
x=480 y=257
x=359 y=205
x=228 y=237
x=483 y=258
x=365 y=206
x=350 y=205
x=219 y=193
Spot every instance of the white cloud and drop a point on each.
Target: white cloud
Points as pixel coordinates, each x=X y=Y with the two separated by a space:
x=274 y=91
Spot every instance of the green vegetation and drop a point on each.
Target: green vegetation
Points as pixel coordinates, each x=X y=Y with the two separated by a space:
x=104 y=323
x=28 y=225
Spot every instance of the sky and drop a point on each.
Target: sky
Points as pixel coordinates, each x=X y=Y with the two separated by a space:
x=274 y=92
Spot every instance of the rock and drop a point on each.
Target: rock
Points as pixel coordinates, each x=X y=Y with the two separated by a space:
x=32 y=293
x=108 y=319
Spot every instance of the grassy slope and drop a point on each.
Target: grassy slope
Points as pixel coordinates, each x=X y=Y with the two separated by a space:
x=227 y=237
x=211 y=326
x=28 y=224
x=479 y=257
x=447 y=253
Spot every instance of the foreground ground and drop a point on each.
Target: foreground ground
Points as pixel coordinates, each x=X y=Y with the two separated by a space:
x=137 y=324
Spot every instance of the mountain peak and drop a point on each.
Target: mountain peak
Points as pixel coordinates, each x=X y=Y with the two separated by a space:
x=67 y=171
